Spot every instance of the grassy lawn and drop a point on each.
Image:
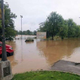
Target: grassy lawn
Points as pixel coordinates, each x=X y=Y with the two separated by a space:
x=46 y=75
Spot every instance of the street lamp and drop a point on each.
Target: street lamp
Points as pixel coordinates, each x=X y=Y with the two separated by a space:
x=21 y=25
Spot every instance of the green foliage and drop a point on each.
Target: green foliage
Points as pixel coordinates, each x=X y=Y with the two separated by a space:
x=10 y=32
x=9 y=16
x=34 y=33
x=46 y=75
x=28 y=32
x=63 y=30
x=9 y=22
x=55 y=25
x=77 y=31
x=71 y=28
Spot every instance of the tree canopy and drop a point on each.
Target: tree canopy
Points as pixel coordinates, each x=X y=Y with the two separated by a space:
x=9 y=22
x=56 y=25
x=27 y=32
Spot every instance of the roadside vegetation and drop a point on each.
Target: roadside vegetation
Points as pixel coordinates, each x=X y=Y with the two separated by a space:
x=10 y=31
x=26 y=32
x=46 y=75
x=56 y=25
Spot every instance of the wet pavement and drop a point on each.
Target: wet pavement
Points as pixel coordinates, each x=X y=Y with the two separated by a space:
x=66 y=66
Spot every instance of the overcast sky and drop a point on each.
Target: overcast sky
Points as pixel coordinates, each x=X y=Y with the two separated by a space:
x=36 y=11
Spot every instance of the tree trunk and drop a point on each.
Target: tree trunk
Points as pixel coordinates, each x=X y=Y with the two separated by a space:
x=62 y=37
x=52 y=37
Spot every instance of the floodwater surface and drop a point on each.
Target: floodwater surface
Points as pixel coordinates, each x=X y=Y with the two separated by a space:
x=39 y=55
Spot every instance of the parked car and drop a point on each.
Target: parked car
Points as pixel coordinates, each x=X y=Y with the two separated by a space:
x=9 y=50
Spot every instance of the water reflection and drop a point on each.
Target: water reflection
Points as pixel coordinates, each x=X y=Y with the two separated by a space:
x=12 y=58
x=56 y=50
x=27 y=57
x=42 y=54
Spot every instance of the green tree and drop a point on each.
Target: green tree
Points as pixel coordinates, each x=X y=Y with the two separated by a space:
x=34 y=32
x=10 y=32
x=54 y=25
x=63 y=29
x=77 y=31
x=9 y=22
x=71 y=28
x=20 y=32
x=28 y=32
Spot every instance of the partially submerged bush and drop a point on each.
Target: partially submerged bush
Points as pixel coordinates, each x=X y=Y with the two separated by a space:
x=57 y=38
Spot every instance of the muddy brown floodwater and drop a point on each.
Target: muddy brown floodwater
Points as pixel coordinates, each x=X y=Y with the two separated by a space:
x=39 y=55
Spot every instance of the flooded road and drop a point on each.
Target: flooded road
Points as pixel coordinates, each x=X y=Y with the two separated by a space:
x=39 y=55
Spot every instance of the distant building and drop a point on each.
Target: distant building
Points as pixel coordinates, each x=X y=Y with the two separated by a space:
x=41 y=35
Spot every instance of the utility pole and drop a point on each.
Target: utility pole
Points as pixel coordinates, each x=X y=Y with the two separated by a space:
x=21 y=25
x=4 y=55
x=5 y=67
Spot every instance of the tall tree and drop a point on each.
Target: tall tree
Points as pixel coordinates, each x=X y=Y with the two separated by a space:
x=71 y=28
x=9 y=22
x=63 y=29
x=53 y=25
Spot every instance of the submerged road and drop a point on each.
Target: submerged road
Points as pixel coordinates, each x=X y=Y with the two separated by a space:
x=66 y=66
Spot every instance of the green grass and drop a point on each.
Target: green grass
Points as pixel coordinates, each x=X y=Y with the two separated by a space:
x=46 y=75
